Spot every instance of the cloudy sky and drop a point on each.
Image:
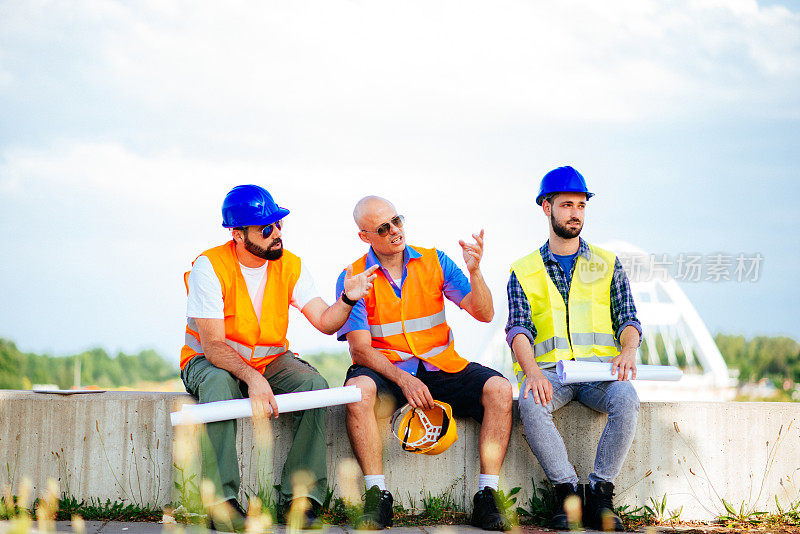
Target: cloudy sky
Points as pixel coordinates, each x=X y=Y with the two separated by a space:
x=123 y=125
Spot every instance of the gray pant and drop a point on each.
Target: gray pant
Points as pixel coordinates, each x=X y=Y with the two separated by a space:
x=309 y=446
x=617 y=399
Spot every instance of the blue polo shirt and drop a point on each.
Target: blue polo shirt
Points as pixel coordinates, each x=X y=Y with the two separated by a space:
x=456 y=287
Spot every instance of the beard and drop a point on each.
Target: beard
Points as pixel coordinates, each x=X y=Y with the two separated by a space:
x=563 y=231
x=268 y=253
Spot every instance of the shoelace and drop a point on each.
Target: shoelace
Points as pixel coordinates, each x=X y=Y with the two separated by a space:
x=606 y=500
x=381 y=494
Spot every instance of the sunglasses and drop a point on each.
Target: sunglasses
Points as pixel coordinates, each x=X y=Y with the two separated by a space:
x=268 y=229
x=383 y=230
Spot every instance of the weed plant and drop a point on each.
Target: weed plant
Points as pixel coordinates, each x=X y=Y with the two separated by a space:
x=540 y=506
x=742 y=518
x=506 y=502
x=441 y=509
x=436 y=508
x=69 y=506
x=340 y=511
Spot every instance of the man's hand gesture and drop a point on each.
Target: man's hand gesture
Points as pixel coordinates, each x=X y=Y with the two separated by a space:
x=473 y=252
x=356 y=287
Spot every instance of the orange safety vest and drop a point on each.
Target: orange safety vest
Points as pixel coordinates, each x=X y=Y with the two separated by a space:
x=257 y=344
x=414 y=324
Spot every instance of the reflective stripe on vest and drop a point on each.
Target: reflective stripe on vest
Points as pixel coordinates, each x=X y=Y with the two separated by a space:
x=412 y=325
x=543 y=347
x=259 y=351
x=593 y=338
x=430 y=354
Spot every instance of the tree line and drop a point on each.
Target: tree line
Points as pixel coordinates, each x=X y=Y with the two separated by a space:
x=774 y=358
x=19 y=370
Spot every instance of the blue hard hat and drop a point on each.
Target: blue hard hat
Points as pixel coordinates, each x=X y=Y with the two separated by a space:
x=562 y=180
x=250 y=205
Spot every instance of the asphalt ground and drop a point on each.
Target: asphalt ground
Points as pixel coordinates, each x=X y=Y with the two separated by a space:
x=127 y=527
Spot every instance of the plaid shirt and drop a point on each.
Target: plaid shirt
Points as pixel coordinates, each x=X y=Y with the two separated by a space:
x=623 y=310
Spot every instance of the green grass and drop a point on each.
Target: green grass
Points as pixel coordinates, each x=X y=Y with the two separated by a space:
x=540 y=506
x=657 y=510
x=340 y=511
x=441 y=509
x=92 y=510
x=653 y=513
x=106 y=511
x=506 y=502
x=188 y=491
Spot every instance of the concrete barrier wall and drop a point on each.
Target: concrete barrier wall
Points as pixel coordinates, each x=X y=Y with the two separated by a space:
x=118 y=446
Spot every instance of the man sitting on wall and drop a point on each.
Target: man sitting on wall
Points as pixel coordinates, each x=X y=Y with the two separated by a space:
x=402 y=348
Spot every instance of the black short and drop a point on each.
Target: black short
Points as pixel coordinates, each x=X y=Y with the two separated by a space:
x=461 y=390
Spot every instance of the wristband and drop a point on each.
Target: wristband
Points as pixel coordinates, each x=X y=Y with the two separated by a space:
x=347 y=300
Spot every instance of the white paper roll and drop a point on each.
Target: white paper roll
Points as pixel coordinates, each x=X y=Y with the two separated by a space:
x=571 y=371
x=287 y=402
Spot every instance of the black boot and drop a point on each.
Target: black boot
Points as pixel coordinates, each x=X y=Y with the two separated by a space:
x=600 y=507
x=485 y=513
x=560 y=521
x=227 y=516
x=378 y=513
x=302 y=513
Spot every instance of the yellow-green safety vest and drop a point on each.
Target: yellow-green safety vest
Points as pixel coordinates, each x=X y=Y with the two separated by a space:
x=586 y=333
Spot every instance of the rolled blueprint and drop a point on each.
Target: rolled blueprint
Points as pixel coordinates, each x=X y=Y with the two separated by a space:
x=287 y=402
x=571 y=371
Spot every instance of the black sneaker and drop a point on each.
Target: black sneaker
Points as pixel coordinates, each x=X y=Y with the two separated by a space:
x=228 y=516
x=485 y=513
x=310 y=510
x=313 y=521
x=560 y=520
x=378 y=513
x=600 y=507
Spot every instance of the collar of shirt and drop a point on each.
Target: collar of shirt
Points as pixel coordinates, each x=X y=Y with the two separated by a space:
x=408 y=255
x=548 y=257
x=410 y=365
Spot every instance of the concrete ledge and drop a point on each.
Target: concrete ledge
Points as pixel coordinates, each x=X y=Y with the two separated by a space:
x=118 y=446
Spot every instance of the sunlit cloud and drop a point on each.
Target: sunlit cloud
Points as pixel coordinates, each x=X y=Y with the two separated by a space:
x=323 y=61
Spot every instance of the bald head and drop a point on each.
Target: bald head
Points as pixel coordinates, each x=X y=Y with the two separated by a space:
x=368 y=207
x=380 y=226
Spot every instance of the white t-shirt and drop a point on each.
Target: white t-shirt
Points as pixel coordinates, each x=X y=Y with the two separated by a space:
x=205 y=291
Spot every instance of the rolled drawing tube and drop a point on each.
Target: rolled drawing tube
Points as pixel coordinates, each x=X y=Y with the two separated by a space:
x=287 y=402
x=571 y=371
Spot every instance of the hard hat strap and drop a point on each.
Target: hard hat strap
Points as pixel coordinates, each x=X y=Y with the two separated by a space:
x=405 y=439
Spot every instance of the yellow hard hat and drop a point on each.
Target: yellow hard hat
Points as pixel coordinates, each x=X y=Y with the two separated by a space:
x=425 y=431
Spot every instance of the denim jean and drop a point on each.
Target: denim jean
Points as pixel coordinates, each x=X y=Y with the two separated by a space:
x=617 y=399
